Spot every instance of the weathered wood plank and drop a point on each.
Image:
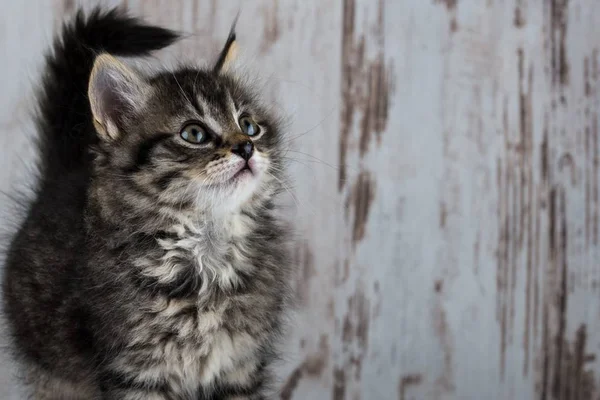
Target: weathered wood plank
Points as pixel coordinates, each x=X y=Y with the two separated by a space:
x=445 y=160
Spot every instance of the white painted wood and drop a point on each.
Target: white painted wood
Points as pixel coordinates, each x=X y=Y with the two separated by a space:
x=458 y=256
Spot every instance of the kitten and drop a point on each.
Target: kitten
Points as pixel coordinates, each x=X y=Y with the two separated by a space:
x=151 y=264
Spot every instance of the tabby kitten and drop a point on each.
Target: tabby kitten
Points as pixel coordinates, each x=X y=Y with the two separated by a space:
x=151 y=264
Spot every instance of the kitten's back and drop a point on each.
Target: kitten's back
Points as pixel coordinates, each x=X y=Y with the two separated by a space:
x=40 y=285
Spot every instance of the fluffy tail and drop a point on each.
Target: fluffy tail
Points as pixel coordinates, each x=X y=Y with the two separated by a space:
x=64 y=118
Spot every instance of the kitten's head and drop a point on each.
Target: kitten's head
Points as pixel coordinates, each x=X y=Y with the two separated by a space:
x=193 y=138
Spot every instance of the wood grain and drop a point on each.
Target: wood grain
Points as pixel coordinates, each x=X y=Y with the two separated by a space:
x=445 y=164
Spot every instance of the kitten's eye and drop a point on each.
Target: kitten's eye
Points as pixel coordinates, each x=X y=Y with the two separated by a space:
x=194 y=133
x=248 y=126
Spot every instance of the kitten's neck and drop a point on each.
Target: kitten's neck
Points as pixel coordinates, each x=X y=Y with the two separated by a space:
x=117 y=217
x=233 y=225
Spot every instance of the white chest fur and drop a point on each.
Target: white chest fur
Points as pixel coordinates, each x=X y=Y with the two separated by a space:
x=209 y=351
x=216 y=250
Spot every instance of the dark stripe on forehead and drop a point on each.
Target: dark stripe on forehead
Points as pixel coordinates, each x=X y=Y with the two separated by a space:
x=197 y=105
x=184 y=84
x=216 y=96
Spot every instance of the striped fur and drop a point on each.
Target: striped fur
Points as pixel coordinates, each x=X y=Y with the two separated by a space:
x=148 y=268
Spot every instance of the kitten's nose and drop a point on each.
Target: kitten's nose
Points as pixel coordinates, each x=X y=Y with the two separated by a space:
x=243 y=149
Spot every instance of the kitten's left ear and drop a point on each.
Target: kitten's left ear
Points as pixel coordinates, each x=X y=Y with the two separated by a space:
x=229 y=50
x=115 y=91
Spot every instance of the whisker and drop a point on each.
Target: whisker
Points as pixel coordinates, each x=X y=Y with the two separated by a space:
x=290 y=192
x=289 y=140
x=316 y=159
x=303 y=162
x=180 y=88
x=298 y=161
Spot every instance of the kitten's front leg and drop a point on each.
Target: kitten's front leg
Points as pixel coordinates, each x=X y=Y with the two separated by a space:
x=133 y=394
x=246 y=396
x=248 y=381
x=116 y=386
x=239 y=393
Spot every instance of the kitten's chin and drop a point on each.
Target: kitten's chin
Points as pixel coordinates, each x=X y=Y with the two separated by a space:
x=237 y=191
x=245 y=184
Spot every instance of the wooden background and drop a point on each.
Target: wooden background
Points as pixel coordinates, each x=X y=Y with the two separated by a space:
x=446 y=179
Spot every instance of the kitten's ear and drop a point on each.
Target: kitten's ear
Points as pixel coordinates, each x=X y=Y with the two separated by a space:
x=115 y=91
x=229 y=51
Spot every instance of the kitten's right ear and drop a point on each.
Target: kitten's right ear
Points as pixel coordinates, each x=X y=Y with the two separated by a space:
x=227 y=54
x=115 y=91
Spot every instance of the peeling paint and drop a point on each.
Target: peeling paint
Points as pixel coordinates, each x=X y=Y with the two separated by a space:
x=407 y=381
x=68 y=6
x=451 y=9
x=572 y=379
x=356 y=321
x=378 y=300
x=558 y=34
x=586 y=77
x=291 y=384
x=375 y=113
x=450 y=4
x=516 y=211
x=304 y=260
x=563 y=375
x=361 y=199
x=366 y=86
x=519 y=18
x=522 y=244
x=330 y=309
x=339 y=384
x=556 y=375
x=443 y=214
x=354 y=339
x=271 y=28
x=347 y=113
x=312 y=367
x=444 y=384
x=591 y=169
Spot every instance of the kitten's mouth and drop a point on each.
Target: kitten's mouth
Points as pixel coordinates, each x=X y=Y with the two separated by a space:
x=244 y=171
x=243 y=174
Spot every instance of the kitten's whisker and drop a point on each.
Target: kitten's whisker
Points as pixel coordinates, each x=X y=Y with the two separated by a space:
x=310 y=167
x=181 y=89
x=290 y=192
x=309 y=155
x=314 y=160
x=298 y=161
x=289 y=140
